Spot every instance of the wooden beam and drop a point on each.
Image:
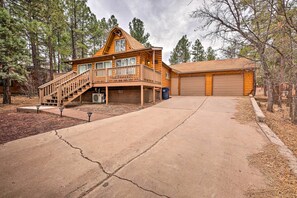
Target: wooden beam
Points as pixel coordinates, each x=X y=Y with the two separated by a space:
x=141 y=96
x=161 y=94
x=80 y=99
x=106 y=95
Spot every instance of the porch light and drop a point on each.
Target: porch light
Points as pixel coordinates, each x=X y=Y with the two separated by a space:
x=89 y=115
x=61 y=110
x=37 y=108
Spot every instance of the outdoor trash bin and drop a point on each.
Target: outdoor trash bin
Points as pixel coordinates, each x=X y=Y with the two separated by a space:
x=165 y=93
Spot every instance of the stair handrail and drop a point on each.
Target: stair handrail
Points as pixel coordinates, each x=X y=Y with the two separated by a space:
x=74 y=77
x=62 y=92
x=56 y=79
x=50 y=87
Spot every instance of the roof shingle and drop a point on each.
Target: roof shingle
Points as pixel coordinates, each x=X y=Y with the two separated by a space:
x=214 y=65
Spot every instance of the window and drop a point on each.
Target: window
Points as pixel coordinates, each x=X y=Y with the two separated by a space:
x=120 y=45
x=103 y=65
x=126 y=62
x=167 y=75
x=84 y=67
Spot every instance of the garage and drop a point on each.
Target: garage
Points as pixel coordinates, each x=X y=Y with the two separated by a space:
x=174 y=86
x=228 y=85
x=192 y=86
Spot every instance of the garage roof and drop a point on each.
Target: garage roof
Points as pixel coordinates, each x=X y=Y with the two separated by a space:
x=214 y=65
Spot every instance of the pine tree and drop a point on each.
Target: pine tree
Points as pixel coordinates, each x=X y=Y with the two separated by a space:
x=198 y=51
x=181 y=53
x=137 y=31
x=12 y=56
x=210 y=54
x=112 y=22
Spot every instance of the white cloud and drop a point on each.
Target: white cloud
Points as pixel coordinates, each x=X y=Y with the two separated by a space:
x=166 y=20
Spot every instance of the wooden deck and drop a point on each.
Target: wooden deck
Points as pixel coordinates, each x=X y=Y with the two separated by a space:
x=68 y=87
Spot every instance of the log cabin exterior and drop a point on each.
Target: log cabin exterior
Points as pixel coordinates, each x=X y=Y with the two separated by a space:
x=123 y=69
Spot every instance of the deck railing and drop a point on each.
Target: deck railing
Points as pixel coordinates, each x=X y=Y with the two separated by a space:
x=126 y=74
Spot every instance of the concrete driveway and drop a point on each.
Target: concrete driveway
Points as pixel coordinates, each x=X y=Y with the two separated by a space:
x=183 y=147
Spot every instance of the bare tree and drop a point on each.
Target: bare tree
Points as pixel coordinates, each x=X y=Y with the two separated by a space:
x=248 y=22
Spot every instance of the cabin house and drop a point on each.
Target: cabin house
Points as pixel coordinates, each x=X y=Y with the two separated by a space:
x=229 y=77
x=123 y=70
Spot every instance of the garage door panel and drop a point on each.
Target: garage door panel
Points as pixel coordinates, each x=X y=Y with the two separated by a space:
x=174 y=86
x=192 y=86
x=228 y=85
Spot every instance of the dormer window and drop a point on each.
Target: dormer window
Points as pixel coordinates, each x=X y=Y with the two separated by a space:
x=120 y=45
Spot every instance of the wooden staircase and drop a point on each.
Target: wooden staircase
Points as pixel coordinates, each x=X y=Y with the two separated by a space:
x=65 y=89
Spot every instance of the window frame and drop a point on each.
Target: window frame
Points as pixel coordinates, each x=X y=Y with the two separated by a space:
x=102 y=73
x=122 y=47
x=129 y=71
x=87 y=65
x=167 y=75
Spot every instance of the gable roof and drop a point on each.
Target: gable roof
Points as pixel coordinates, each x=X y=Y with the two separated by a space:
x=214 y=65
x=132 y=42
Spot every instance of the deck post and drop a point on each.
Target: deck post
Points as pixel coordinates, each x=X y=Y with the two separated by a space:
x=106 y=74
x=80 y=99
x=154 y=95
x=141 y=95
x=160 y=93
x=91 y=77
x=41 y=95
x=154 y=67
x=106 y=95
x=59 y=95
x=141 y=72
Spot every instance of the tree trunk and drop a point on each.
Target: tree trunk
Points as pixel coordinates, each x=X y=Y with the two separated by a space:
x=270 y=95
x=6 y=92
x=50 y=49
x=289 y=97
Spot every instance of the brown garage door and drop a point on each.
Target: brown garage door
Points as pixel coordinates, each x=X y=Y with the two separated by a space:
x=192 y=86
x=228 y=85
x=174 y=86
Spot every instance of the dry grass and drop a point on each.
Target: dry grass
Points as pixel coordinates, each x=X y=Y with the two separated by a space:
x=280 y=123
x=17 y=101
x=281 y=181
x=245 y=113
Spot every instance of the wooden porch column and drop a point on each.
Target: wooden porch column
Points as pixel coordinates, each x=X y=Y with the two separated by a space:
x=154 y=95
x=160 y=93
x=141 y=95
x=80 y=99
x=154 y=67
x=106 y=95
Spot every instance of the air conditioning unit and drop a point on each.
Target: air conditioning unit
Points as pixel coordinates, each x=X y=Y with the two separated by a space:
x=98 y=98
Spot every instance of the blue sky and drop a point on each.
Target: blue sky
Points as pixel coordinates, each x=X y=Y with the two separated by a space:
x=166 y=20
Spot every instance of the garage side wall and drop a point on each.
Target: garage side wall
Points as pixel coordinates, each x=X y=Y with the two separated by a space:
x=248 y=82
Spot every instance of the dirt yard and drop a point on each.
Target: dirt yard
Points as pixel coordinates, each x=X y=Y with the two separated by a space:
x=281 y=182
x=112 y=109
x=15 y=125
